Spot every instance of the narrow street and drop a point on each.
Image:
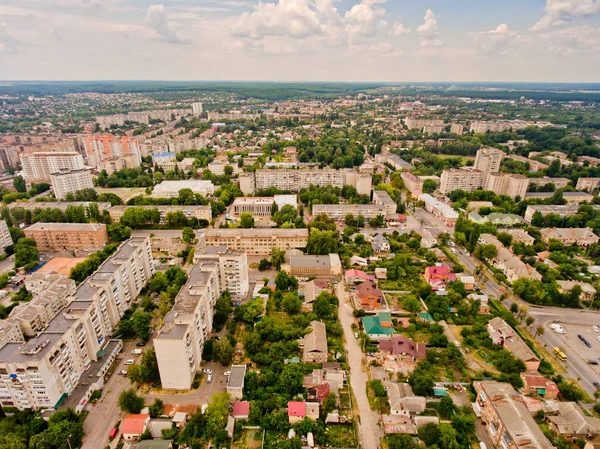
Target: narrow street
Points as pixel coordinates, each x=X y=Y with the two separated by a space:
x=370 y=432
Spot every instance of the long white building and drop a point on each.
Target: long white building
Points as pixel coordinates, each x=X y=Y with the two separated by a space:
x=170 y=189
x=39 y=166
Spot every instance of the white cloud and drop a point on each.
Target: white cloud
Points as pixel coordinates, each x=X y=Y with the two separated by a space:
x=157 y=19
x=559 y=12
x=400 y=29
x=364 y=20
x=428 y=31
x=8 y=42
x=496 y=41
x=581 y=39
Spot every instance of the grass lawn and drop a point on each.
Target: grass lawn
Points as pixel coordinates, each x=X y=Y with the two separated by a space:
x=341 y=435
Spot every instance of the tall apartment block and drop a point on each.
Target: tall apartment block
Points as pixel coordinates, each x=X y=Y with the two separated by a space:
x=488 y=160
x=44 y=371
x=68 y=181
x=5 y=238
x=467 y=179
x=512 y=185
x=180 y=342
x=39 y=166
x=197 y=108
x=233 y=268
x=68 y=236
x=256 y=241
x=103 y=147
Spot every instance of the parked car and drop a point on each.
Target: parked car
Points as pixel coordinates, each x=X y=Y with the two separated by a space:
x=209 y=378
x=356 y=335
x=123 y=372
x=227 y=373
x=587 y=343
x=207 y=371
x=598 y=337
x=597 y=385
x=581 y=337
x=140 y=344
x=129 y=362
x=593 y=362
x=595 y=328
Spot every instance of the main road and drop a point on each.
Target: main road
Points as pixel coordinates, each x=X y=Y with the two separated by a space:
x=369 y=431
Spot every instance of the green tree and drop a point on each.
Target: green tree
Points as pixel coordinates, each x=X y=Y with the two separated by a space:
x=224 y=351
x=25 y=252
x=188 y=235
x=291 y=303
x=19 y=184
x=322 y=242
x=223 y=309
x=117 y=232
x=277 y=257
x=141 y=324
x=486 y=252
x=156 y=409
x=246 y=220
x=446 y=407
x=130 y=402
x=400 y=441
x=285 y=282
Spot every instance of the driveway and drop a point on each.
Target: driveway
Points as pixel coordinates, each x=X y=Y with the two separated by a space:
x=370 y=432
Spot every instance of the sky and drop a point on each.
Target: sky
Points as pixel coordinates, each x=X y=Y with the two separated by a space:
x=301 y=40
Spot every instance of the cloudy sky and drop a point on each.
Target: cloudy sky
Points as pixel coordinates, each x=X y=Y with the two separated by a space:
x=301 y=40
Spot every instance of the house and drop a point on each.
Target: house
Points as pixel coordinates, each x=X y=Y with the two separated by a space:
x=439 y=254
x=588 y=293
x=400 y=345
x=333 y=377
x=311 y=290
x=573 y=423
x=513 y=267
x=134 y=425
x=437 y=277
x=508 y=422
x=503 y=334
x=358 y=261
x=356 y=276
x=314 y=345
x=504 y=219
x=241 y=409
x=402 y=400
x=374 y=330
x=380 y=244
x=536 y=384
x=297 y=411
x=570 y=236
x=518 y=235
x=468 y=282
x=156 y=426
x=484 y=308
x=381 y=273
x=369 y=296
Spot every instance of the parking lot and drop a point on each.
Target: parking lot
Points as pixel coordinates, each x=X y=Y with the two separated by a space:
x=573 y=346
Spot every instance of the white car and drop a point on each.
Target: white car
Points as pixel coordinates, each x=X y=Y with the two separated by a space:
x=129 y=362
x=227 y=373
x=209 y=378
x=598 y=337
x=207 y=371
x=595 y=328
x=123 y=372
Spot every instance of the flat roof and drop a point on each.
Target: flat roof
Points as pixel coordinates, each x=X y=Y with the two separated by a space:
x=65 y=227
x=253 y=233
x=31 y=205
x=307 y=261
x=236 y=378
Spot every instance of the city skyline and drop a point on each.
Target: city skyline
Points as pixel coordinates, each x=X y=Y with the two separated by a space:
x=300 y=40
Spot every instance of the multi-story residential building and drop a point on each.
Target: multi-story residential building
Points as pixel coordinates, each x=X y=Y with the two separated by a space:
x=39 y=166
x=592 y=161
x=467 y=179
x=260 y=206
x=443 y=211
x=588 y=292
x=589 y=184
x=233 y=268
x=382 y=198
x=314 y=266
x=416 y=123
x=180 y=342
x=257 y=241
x=117 y=163
x=32 y=205
x=571 y=197
x=534 y=165
x=339 y=211
x=385 y=157
x=566 y=210
x=167 y=161
x=68 y=236
x=218 y=168
x=314 y=345
x=170 y=189
x=457 y=128
x=413 y=183
x=102 y=147
x=166 y=115
x=512 y=185
x=559 y=183
x=190 y=212
x=76 y=343
x=488 y=160
x=483 y=127
x=5 y=238
x=508 y=422
x=10 y=332
x=570 y=236
x=68 y=181
x=197 y=108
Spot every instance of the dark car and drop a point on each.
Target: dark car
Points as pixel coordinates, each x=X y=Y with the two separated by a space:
x=593 y=362
x=581 y=337
x=141 y=343
x=597 y=385
x=587 y=343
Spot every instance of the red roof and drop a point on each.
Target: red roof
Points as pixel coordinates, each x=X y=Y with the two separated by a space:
x=356 y=273
x=296 y=409
x=241 y=408
x=134 y=424
x=403 y=345
x=322 y=391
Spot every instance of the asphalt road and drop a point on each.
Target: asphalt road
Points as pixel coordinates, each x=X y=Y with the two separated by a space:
x=370 y=432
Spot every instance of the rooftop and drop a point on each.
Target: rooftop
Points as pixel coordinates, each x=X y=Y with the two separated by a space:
x=236 y=378
x=65 y=227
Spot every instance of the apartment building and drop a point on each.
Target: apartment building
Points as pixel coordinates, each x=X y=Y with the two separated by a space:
x=314 y=266
x=482 y=127
x=190 y=212
x=430 y=124
x=233 y=268
x=488 y=159
x=467 y=179
x=218 y=168
x=10 y=332
x=339 y=211
x=534 y=165
x=180 y=341
x=260 y=206
x=442 y=211
x=382 y=198
x=559 y=183
x=571 y=197
x=592 y=161
x=197 y=108
x=118 y=163
x=68 y=181
x=570 y=236
x=256 y=241
x=102 y=147
x=166 y=115
x=39 y=166
x=589 y=184
x=457 y=128
x=508 y=422
x=68 y=236
x=566 y=210
x=167 y=161
x=32 y=205
x=170 y=189
x=5 y=238
x=512 y=185
x=75 y=344
x=413 y=183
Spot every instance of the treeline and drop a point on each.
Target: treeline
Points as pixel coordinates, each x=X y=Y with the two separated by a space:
x=84 y=269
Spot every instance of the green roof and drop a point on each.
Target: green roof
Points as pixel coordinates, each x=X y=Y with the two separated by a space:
x=440 y=391
x=425 y=316
x=385 y=317
x=372 y=326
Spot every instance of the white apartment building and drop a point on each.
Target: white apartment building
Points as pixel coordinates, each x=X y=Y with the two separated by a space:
x=180 y=342
x=197 y=108
x=70 y=181
x=190 y=212
x=39 y=166
x=416 y=123
x=488 y=160
x=101 y=147
x=566 y=210
x=382 y=198
x=170 y=189
x=589 y=184
x=76 y=343
x=339 y=211
x=413 y=183
x=512 y=185
x=233 y=268
x=478 y=127
x=466 y=179
x=260 y=206
x=5 y=238
x=256 y=241
x=218 y=168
